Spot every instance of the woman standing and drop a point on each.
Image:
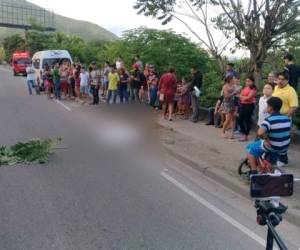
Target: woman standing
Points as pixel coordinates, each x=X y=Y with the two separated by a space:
x=247 y=100
x=48 y=80
x=228 y=106
x=124 y=80
x=167 y=90
x=77 y=81
x=152 y=82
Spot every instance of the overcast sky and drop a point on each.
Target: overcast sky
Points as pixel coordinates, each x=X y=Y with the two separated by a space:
x=114 y=15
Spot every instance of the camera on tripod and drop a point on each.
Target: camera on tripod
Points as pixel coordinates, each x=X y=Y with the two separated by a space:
x=267 y=189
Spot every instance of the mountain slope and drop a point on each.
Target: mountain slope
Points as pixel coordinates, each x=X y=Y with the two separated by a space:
x=88 y=31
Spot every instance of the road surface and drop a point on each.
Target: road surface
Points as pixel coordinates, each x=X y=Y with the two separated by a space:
x=107 y=186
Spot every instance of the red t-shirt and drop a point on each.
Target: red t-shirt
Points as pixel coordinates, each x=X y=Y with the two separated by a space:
x=167 y=84
x=246 y=92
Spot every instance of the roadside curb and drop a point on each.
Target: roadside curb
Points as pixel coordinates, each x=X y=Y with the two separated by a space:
x=213 y=173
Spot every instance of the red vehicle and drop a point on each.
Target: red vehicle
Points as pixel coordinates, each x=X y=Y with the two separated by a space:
x=19 y=62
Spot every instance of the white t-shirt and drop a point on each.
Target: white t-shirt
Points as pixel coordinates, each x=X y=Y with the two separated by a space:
x=30 y=73
x=84 y=78
x=262 y=110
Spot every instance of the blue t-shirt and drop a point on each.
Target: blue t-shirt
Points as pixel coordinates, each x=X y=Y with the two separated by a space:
x=278 y=130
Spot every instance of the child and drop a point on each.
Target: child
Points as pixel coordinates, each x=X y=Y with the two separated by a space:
x=262 y=106
x=275 y=134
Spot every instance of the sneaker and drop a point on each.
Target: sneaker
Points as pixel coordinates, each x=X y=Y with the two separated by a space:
x=280 y=164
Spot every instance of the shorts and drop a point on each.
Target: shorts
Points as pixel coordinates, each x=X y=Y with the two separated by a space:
x=256 y=149
x=84 y=89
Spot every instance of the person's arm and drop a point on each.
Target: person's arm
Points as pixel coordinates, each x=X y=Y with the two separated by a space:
x=217 y=106
x=248 y=97
x=293 y=103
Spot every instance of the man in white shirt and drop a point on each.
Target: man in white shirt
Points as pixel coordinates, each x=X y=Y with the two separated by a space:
x=84 y=82
x=31 y=78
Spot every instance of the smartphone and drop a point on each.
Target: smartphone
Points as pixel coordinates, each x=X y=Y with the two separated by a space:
x=267 y=185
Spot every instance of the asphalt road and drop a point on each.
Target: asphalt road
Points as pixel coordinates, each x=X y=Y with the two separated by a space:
x=107 y=186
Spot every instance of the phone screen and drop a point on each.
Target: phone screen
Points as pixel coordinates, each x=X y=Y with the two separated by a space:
x=263 y=186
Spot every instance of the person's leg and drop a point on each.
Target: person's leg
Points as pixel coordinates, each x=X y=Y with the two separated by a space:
x=97 y=94
x=114 y=94
x=195 y=107
x=226 y=124
x=121 y=91
x=242 y=120
x=136 y=95
x=171 y=109
x=29 y=87
x=248 y=118
x=109 y=93
x=211 y=112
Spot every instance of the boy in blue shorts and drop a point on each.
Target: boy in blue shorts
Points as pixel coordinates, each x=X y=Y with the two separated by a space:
x=274 y=134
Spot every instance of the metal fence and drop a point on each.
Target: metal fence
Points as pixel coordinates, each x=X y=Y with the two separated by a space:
x=14 y=15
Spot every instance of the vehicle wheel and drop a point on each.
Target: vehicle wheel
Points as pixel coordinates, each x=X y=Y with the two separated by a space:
x=15 y=73
x=244 y=167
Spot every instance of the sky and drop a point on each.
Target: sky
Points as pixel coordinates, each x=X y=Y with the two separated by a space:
x=116 y=16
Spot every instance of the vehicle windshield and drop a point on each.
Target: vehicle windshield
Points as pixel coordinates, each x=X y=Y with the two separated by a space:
x=22 y=61
x=52 y=61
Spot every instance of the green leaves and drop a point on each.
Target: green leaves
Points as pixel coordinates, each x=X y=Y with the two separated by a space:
x=35 y=151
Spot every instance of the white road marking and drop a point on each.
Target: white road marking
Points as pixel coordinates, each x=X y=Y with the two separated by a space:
x=64 y=105
x=297 y=179
x=216 y=210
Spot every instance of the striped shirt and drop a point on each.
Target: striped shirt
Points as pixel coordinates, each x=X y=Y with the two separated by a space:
x=278 y=130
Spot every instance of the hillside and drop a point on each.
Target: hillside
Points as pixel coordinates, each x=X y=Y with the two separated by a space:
x=88 y=31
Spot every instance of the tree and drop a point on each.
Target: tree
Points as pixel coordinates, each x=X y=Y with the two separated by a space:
x=161 y=48
x=188 y=12
x=13 y=43
x=257 y=25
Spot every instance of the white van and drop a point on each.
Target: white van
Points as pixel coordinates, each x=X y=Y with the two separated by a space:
x=51 y=57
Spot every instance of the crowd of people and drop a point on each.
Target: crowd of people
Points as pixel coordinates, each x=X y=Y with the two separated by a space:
x=114 y=83
x=233 y=112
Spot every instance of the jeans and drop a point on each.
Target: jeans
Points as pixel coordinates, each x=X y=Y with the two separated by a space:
x=57 y=89
x=113 y=94
x=134 y=94
x=123 y=92
x=95 y=91
x=31 y=84
x=245 y=118
x=153 y=96
x=195 y=107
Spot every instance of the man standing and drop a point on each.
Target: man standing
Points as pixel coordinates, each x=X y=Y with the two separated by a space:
x=230 y=71
x=195 y=88
x=292 y=70
x=113 y=82
x=289 y=99
x=56 y=80
x=31 y=78
x=95 y=84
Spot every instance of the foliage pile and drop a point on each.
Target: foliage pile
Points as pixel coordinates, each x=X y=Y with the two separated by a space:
x=35 y=151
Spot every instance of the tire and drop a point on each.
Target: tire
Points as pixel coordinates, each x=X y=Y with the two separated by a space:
x=244 y=167
x=15 y=73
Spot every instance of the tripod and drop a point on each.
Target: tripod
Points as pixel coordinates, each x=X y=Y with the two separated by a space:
x=271 y=215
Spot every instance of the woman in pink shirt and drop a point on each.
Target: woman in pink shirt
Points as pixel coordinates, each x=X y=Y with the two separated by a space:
x=247 y=100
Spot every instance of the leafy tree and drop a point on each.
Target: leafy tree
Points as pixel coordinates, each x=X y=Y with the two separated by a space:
x=13 y=43
x=161 y=48
x=257 y=25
